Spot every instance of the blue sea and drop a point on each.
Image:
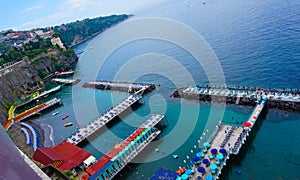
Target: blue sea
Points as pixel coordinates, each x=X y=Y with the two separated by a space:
x=257 y=43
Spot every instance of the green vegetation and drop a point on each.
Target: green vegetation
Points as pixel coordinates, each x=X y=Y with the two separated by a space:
x=78 y=31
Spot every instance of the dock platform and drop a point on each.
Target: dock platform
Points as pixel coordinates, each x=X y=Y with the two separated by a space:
x=120 y=86
x=123 y=153
x=225 y=141
x=108 y=116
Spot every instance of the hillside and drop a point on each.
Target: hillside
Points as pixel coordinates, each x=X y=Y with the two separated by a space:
x=76 y=32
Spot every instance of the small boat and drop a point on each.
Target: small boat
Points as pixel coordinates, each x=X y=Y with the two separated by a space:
x=55 y=113
x=238 y=171
x=65 y=117
x=156 y=149
x=175 y=156
x=68 y=124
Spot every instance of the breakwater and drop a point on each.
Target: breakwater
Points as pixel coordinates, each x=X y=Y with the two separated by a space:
x=281 y=99
x=120 y=86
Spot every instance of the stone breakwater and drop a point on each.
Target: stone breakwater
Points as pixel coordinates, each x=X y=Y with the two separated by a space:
x=281 y=99
x=120 y=86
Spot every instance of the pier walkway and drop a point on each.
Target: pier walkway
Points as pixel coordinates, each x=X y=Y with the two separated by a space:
x=226 y=140
x=98 y=123
x=123 y=153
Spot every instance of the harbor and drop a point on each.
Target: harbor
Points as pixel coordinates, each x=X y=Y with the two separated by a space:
x=277 y=98
x=119 y=86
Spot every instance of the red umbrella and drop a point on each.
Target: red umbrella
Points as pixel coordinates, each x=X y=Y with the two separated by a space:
x=247 y=124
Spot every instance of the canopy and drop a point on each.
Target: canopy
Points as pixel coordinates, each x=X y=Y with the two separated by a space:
x=206 y=144
x=220 y=156
x=222 y=150
x=247 y=124
x=213 y=166
x=205 y=161
x=199 y=154
x=196 y=159
x=184 y=176
x=214 y=151
x=201 y=169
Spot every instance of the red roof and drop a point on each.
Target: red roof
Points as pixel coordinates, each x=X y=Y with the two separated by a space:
x=69 y=153
x=72 y=155
x=46 y=156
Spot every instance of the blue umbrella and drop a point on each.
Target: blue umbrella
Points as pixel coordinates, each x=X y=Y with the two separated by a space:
x=189 y=171
x=205 y=161
x=206 y=144
x=209 y=177
x=201 y=169
x=199 y=154
x=222 y=150
x=184 y=176
x=196 y=159
x=198 y=177
x=213 y=166
x=220 y=156
x=214 y=151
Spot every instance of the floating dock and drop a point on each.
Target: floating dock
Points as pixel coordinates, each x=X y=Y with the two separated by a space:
x=282 y=99
x=119 y=86
x=109 y=115
x=226 y=140
x=122 y=154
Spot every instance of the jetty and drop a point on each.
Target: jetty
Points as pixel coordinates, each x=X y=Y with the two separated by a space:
x=225 y=141
x=119 y=86
x=66 y=81
x=105 y=118
x=115 y=160
x=282 y=99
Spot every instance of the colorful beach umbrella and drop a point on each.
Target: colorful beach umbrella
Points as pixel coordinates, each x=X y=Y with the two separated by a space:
x=206 y=144
x=222 y=150
x=205 y=161
x=201 y=169
x=196 y=159
x=189 y=171
x=199 y=154
x=184 y=176
x=209 y=177
x=213 y=166
x=247 y=124
x=214 y=151
x=220 y=156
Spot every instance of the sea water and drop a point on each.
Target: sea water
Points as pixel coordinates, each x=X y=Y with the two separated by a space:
x=257 y=44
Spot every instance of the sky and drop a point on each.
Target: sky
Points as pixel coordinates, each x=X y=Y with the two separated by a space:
x=25 y=15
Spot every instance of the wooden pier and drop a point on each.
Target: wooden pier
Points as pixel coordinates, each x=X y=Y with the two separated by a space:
x=226 y=140
x=108 y=116
x=282 y=99
x=119 y=86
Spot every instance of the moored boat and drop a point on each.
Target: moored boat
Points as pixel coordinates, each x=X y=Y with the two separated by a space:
x=68 y=124
x=65 y=117
x=55 y=113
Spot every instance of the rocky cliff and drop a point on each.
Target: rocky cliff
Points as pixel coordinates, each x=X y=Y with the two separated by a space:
x=24 y=80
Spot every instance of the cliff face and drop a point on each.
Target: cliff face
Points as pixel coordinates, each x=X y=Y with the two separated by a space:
x=27 y=79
